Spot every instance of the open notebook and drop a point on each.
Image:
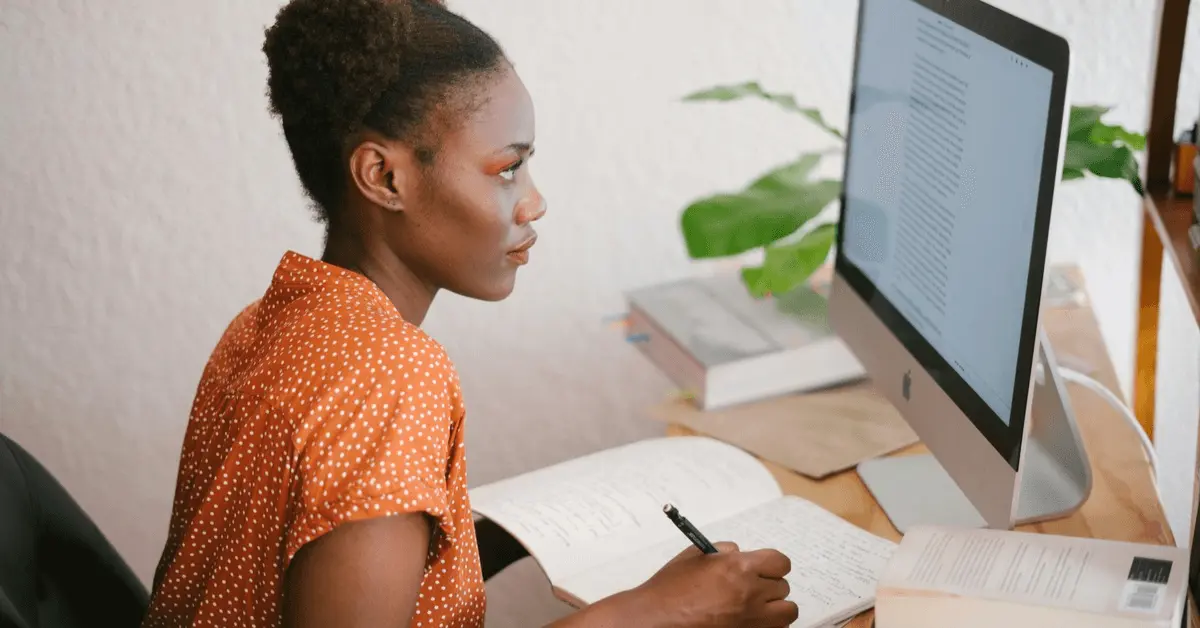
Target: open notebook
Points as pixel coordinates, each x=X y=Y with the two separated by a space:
x=596 y=526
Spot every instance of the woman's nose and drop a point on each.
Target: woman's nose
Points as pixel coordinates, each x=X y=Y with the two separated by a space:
x=531 y=208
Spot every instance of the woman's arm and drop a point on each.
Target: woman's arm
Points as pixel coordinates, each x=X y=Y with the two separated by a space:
x=497 y=548
x=368 y=573
x=364 y=573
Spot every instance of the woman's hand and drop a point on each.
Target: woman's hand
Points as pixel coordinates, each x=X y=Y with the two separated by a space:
x=730 y=589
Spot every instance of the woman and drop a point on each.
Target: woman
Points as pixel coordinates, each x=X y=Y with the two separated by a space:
x=322 y=480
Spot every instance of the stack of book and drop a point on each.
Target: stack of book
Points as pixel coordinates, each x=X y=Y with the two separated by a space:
x=723 y=347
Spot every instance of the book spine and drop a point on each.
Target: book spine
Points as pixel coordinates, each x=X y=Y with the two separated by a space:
x=818 y=365
x=667 y=355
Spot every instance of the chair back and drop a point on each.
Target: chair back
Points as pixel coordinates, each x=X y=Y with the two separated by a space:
x=56 y=568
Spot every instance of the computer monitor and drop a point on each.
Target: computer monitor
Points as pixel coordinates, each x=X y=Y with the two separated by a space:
x=958 y=119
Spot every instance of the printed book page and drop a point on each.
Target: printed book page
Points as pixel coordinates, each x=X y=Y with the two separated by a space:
x=835 y=564
x=579 y=514
x=1082 y=575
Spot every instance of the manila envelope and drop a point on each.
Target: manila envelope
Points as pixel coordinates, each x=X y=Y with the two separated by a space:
x=815 y=434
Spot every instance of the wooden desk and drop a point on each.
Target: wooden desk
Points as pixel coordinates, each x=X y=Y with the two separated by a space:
x=1123 y=505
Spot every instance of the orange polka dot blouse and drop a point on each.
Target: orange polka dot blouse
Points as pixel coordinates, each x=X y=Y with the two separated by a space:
x=319 y=406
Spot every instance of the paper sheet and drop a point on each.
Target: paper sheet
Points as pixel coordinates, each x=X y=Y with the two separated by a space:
x=815 y=434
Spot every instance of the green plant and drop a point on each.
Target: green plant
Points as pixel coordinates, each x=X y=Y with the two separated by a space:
x=775 y=210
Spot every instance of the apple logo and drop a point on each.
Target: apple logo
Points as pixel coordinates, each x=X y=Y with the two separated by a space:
x=906 y=385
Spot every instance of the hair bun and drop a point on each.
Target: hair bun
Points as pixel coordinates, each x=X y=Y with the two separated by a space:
x=324 y=59
x=336 y=67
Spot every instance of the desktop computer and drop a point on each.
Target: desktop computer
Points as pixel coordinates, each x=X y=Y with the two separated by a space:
x=958 y=118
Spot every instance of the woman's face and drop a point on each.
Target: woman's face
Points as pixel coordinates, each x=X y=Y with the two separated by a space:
x=467 y=224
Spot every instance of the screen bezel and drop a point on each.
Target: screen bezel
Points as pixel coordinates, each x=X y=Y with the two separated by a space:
x=1053 y=53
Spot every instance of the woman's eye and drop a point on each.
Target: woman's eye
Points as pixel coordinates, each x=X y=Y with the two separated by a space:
x=510 y=173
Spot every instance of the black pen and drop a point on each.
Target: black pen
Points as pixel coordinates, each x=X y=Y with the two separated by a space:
x=689 y=530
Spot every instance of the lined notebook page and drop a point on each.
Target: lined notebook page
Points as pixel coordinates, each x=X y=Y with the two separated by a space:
x=835 y=564
x=581 y=513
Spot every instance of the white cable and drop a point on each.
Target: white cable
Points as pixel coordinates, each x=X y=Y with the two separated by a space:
x=1113 y=400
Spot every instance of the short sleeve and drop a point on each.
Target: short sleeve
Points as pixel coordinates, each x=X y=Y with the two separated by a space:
x=379 y=444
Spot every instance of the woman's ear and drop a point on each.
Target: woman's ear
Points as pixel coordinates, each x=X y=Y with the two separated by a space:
x=381 y=172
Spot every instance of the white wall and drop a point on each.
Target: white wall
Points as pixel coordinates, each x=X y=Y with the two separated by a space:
x=145 y=196
x=1177 y=402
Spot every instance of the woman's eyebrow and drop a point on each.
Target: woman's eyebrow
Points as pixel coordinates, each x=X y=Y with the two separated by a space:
x=520 y=147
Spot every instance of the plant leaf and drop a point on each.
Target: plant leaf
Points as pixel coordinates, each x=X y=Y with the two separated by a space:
x=1109 y=134
x=786 y=266
x=1069 y=174
x=1104 y=150
x=787 y=176
x=752 y=277
x=1120 y=164
x=1085 y=125
x=1083 y=118
x=1076 y=155
x=751 y=89
x=1103 y=160
x=772 y=207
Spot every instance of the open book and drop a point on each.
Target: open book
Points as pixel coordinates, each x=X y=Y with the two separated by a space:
x=596 y=526
x=950 y=577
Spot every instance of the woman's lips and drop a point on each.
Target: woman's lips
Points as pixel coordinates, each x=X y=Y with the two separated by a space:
x=520 y=255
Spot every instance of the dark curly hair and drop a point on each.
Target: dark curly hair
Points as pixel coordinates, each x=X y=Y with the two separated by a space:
x=339 y=67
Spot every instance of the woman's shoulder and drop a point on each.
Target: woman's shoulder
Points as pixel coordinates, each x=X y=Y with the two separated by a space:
x=368 y=342
x=362 y=372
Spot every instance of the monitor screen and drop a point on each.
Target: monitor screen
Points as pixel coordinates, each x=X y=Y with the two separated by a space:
x=948 y=132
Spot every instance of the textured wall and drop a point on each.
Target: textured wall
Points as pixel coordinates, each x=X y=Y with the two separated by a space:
x=146 y=196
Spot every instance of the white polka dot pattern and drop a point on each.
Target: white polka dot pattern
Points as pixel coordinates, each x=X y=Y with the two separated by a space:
x=319 y=406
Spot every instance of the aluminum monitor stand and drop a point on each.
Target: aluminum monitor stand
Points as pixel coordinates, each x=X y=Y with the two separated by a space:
x=1055 y=478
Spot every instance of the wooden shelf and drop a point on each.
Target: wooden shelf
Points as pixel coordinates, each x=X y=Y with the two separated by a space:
x=1172 y=217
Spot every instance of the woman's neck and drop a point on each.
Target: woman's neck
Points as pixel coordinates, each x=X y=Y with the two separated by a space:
x=411 y=296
